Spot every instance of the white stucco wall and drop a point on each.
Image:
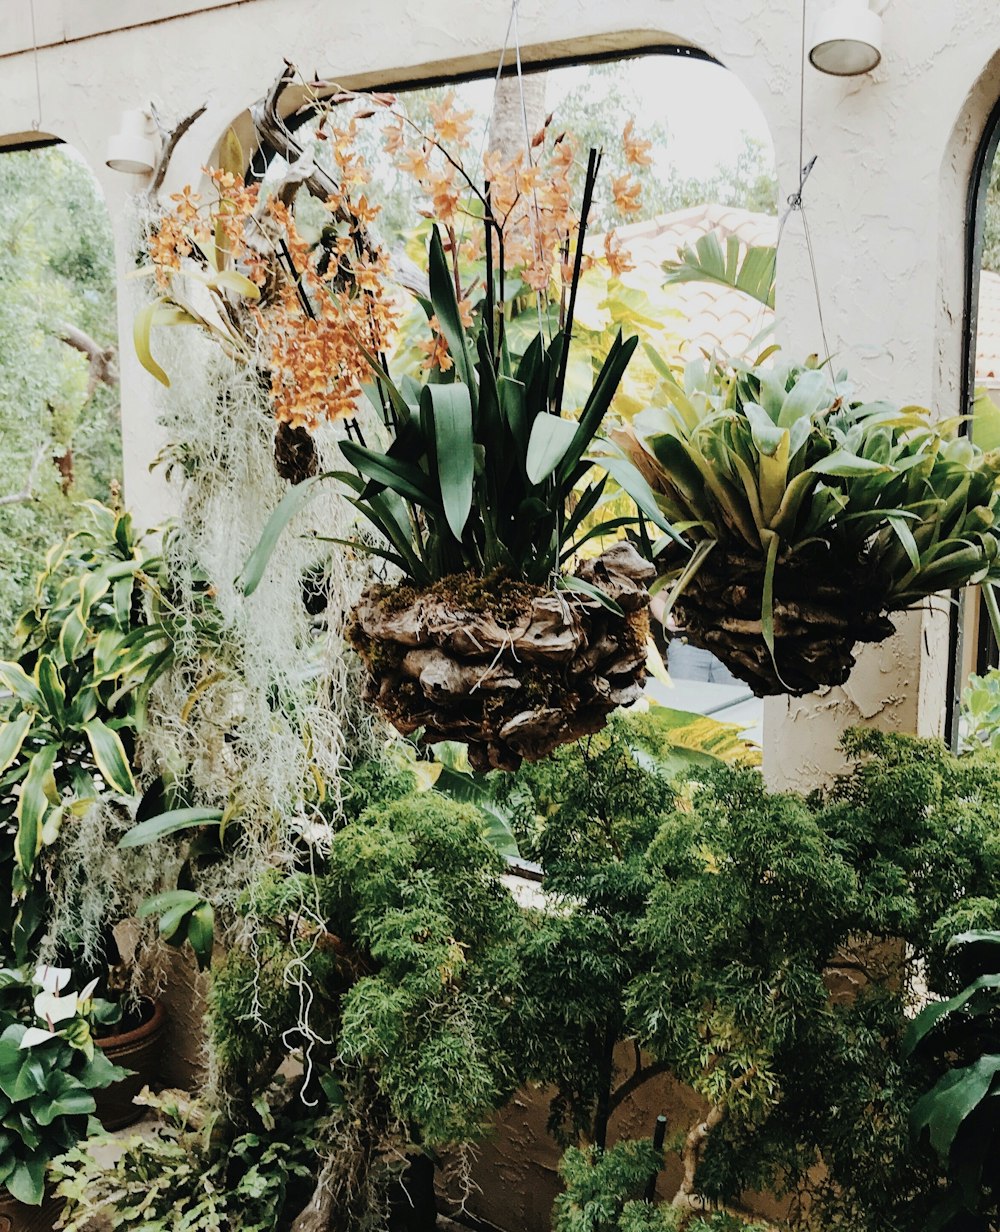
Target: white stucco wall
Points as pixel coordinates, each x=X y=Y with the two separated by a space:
x=885 y=203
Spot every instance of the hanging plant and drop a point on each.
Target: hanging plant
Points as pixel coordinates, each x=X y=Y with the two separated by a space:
x=480 y=489
x=813 y=515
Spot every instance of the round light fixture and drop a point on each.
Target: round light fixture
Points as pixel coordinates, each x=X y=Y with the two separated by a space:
x=847 y=39
x=135 y=147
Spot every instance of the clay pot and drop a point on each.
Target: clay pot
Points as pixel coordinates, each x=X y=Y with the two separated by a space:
x=137 y=1050
x=16 y=1217
x=511 y=670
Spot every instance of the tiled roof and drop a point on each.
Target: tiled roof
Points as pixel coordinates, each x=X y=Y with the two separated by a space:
x=711 y=317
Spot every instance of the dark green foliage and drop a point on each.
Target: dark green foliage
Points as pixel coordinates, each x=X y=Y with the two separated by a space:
x=193 y=1168
x=416 y=886
x=599 y=809
x=959 y=1115
x=407 y=941
x=604 y=1188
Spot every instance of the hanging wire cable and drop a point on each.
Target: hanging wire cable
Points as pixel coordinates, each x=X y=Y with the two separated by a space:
x=795 y=204
x=37 y=122
x=536 y=242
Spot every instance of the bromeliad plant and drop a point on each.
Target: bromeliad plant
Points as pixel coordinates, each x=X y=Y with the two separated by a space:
x=813 y=514
x=49 y=1069
x=89 y=653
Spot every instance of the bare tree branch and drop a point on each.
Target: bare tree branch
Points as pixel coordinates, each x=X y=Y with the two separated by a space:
x=27 y=493
x=167 y=151
x=103 y=370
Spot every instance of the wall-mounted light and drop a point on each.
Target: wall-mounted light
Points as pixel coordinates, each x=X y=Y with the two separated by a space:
x=847 y=39
x=135 y=148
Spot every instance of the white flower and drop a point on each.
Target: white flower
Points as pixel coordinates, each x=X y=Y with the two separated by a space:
x=52 y=1009
x=35 y=1035
x=86 y=993
x=52 y=979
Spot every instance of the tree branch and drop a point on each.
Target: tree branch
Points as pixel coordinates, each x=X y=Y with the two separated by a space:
x=27 y=492
x=687 y=1197
x=167 y=151
x=102 y=359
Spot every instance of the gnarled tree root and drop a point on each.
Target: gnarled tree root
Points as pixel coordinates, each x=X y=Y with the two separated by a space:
x=511 y=670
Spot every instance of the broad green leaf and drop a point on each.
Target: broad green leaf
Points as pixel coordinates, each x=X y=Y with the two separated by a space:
x=12 y=736
x=404 y=478
x=109 y=756
x=27 y=1182
x=142 y=329
x=169 y=823
x=548 y=444
x=33 y=804
x=943 y=1109
x=470 y=790
x=13 y=677
x=292 y=503
x=451 y=413
x=168 y=900
x=201 y=934
x=171 y=921
x=930 y=1015
x=445 y=301
x=844 y=464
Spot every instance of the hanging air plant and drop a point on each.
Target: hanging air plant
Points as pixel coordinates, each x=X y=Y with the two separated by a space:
x=813 y=516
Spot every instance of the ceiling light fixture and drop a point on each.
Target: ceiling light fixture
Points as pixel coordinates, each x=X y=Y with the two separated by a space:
x=135 y=148
x=847 y=39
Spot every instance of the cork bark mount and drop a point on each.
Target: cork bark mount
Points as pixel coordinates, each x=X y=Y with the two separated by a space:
x=822 y=610
x=510 y=669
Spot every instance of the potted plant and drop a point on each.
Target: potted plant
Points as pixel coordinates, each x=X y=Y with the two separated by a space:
x=813 y=514
x=49 y=1071
x=90 y=648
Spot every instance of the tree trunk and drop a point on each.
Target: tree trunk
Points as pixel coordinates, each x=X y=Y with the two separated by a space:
x=507 y=135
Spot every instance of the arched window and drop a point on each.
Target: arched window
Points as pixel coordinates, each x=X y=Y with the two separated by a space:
x=60 y=432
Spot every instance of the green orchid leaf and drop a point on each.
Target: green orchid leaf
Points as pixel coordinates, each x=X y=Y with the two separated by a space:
x=291 y=504
x=450 y=411
x=445 y=301
x=548 y=444
x=164 y=824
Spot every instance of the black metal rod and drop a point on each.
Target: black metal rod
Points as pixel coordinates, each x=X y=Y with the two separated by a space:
x=593 y=165
x=659 y=1134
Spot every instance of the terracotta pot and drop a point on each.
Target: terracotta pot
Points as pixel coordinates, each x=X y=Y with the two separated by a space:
x=138 y=1050
x=16 y=1217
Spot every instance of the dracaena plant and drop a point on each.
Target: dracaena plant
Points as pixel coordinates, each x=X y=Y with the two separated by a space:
x=776 y=461
x=49 y=1069
x=90 y=649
